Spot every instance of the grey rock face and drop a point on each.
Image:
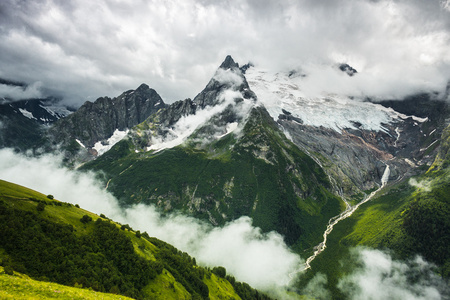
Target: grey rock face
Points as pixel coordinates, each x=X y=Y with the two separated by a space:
x=227 y=79
x=228 y=76
x=229 y=63
x=347 y=158
x=347 y=69
x=176 y=110
x=97 y=121
x=356 y=158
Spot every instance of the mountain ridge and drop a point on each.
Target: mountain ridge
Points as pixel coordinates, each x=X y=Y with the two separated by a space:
x=253 y=144
x=235 y=162
x=96 y=122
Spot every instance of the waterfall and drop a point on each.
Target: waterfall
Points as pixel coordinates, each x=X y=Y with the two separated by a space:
x=385 y=177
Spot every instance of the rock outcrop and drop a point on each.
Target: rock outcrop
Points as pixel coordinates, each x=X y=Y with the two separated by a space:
x=94 y=122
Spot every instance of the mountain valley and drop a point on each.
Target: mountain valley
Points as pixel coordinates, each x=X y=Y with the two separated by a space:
x=253 y=144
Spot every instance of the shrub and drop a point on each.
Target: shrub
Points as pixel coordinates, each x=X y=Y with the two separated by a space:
x=220 y=271
x=50 y=197
x=126 y=226
x=85 y=219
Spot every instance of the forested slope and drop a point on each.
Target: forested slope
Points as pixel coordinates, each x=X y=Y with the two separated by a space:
x=58 y=242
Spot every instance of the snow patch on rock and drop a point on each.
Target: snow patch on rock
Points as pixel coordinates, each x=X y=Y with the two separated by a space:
x=117 y=136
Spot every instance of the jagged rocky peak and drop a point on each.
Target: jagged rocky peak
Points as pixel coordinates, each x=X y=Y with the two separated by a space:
x=175 y=111
x=229 y=63
x=347 y=69
x=142 y=87
x=98 y=121
x=215 y=112
x=245 y=67
x=228 y=77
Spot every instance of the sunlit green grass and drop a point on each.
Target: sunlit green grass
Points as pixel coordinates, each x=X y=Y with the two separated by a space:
x=19 y=286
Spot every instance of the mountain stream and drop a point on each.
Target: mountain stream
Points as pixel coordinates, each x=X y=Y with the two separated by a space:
x=336 y=219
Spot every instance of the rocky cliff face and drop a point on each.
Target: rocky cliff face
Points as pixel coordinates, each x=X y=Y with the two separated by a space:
x=225 y=100
x=96 y=122
x=354 y=140
x=356 y=158
x=228 y=77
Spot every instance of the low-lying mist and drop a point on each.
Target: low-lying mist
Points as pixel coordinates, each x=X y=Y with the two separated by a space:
x=261 y=259
x=379 y=276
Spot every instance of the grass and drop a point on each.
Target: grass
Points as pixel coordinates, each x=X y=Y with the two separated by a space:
x=381 y=224
x=55 y=211
x=11 y=190
x=164 y=286
x=280 y=187
x=19 y=286
x=220 y=288
x=378 y=218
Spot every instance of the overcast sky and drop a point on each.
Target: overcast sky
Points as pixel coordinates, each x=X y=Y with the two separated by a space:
x=85 y=49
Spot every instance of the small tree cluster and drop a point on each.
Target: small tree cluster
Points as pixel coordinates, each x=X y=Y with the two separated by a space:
x=85 y=219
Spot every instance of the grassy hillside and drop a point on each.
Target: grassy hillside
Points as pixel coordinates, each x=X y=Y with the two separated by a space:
x=260 y=174
x=21 y=287
x=57 y=242
x=409 y=218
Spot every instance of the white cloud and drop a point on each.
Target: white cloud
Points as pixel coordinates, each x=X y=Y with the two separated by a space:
x=47 y=176
x=88 y=49
x=316 y=287
x=262 y=260
x=228 y=77
x=382 y=277
x=424 y=185
x=19 y=93
x=116 y=137
x=186 y=125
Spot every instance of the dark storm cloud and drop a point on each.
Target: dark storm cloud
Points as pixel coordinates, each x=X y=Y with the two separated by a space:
x=86 y=49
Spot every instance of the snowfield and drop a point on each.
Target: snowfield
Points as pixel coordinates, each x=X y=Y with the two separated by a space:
x=279 y=91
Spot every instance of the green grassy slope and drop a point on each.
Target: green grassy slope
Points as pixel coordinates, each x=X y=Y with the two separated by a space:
x=21 y=287
x=408 y=218
x=259 y=174
x=53 y=241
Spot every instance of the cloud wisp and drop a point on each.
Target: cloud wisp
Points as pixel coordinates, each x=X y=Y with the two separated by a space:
x=188 y=124
x=262 y=260
x=84 y=49
x=18 y=92
x=382 y=277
